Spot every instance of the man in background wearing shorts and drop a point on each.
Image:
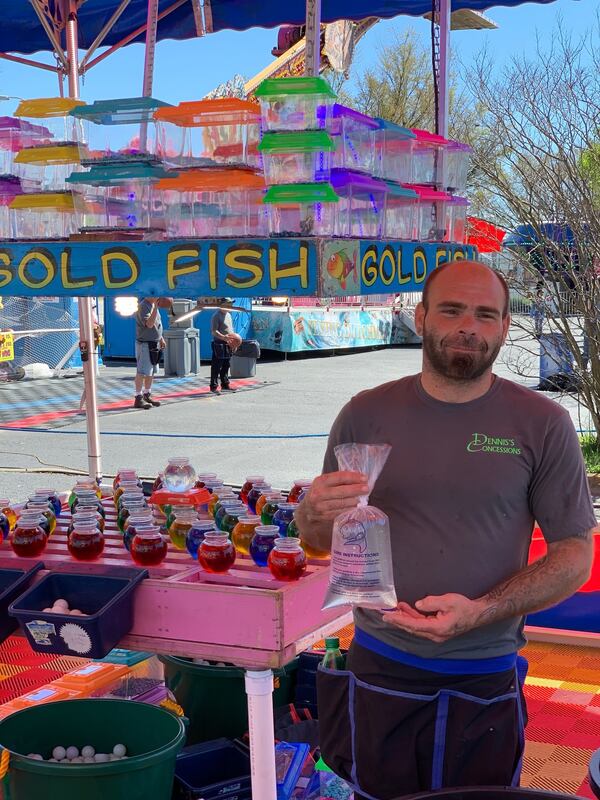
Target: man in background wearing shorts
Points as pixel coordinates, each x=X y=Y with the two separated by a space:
x=149 y=343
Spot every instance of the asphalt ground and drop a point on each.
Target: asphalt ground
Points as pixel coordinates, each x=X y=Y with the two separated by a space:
x=275 y=425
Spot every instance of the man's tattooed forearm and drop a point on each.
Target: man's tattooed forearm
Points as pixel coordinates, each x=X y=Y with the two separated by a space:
x=528 y=572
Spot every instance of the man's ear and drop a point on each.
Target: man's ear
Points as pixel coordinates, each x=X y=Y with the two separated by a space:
x=419 y=318
x=505 y=327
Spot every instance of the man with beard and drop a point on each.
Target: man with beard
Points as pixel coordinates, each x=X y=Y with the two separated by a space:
x=431 y=696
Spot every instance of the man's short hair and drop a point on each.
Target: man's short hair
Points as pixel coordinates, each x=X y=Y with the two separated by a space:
x=432 y=275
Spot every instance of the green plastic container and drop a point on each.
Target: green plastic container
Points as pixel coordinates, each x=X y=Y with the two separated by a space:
x=214 y=698
x=152 y=736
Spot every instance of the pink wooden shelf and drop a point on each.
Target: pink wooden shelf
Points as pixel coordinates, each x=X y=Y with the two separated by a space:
x=245 y=616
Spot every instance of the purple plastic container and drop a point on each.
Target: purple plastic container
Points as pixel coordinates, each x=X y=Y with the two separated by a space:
x=353 y=134
x=360 y=212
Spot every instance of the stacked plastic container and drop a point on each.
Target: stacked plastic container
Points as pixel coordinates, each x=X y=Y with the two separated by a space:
x=354 y=138
x=297 y=152
x=214 y=203
x=209 y=133
x=120 y=147
x=213 y=145
x=49 y=152
x=401 y=212
x=118 y=197
x=10 y=187
x=121 y=130
x=53 y=152
x=426 y=176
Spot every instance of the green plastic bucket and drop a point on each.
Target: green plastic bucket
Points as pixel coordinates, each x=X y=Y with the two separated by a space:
x=152 y=736
x=214 y=698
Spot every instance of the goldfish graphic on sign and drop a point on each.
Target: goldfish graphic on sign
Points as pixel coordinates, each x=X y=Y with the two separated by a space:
x=339 y=270
x=341 y=265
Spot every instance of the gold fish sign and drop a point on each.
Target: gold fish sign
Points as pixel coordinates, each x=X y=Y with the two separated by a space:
x=7 y=347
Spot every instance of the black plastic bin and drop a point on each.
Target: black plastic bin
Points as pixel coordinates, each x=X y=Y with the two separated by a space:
x=106 y=597
x=212 y=770
x=13 y=583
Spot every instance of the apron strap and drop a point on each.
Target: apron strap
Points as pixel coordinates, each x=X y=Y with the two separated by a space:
x=439 y=744
x=516 y=779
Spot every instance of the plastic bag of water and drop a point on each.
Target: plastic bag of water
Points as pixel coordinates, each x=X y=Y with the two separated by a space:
x=361 y=553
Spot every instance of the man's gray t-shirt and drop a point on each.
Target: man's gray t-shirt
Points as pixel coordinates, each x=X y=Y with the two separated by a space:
x=142 y=332
x=462 y=487
x=221 y=321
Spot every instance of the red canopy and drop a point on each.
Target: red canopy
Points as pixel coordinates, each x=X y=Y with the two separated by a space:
x=486 y=237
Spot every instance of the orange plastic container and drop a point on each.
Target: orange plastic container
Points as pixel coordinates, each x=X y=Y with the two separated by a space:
x=224 y=131
x=93 y=679
x=214 y=202
x=46 y=694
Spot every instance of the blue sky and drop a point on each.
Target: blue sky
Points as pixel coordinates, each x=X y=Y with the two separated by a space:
x=187 y=70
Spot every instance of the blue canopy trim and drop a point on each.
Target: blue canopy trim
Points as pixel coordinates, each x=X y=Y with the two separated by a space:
x=21 y=31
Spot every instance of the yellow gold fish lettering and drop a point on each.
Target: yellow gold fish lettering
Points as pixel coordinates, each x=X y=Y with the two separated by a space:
x=244 y=259
x=419 y=263
x=299 y=269
x=368 y=268
x=387 y=257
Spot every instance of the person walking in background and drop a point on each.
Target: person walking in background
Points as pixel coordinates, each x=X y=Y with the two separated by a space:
x=224 y=343
x=149 y=343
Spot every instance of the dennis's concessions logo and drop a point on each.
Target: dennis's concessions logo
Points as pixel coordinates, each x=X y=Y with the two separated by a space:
x=482 y=443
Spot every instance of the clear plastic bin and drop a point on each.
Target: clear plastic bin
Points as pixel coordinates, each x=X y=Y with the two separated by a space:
x=123 y=129
x=50 y=158
x=400 y=212
x=113 y=196
x=10 y=187
x=457 y=160
x=394 y=152
x=432 y=216
x=354 y=140
x=295 y=104
x=307 y=209
x=49 y=166
x=214 y=202
x=221 y=132
x=360 y=212
x=15 y=134
x=43 y=215
x=456 y=214
x=56 y=115
x=304 y=157
x=428 y=156
x=146 y=672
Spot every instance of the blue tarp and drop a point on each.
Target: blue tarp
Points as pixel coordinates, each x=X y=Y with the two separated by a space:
x=21 y=31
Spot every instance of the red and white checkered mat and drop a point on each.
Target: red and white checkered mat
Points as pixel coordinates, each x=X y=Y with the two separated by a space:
x=562 y=690
x=22 y=670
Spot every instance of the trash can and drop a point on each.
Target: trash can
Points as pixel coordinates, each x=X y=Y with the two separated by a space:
x=214 y=698
x=556 y=363
x=152 y=735
x=182 y=351
x=243 y=362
